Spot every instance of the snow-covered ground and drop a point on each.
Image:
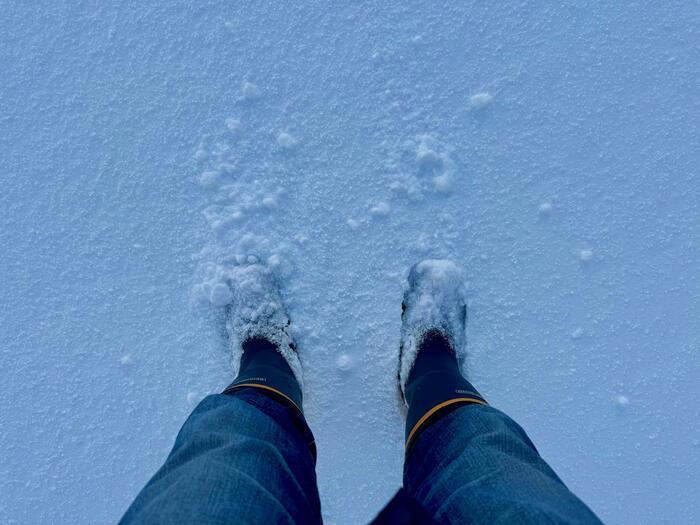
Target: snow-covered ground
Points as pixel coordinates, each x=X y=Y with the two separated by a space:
x=552 y=149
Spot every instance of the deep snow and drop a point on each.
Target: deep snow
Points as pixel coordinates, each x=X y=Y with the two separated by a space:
x=550 y=148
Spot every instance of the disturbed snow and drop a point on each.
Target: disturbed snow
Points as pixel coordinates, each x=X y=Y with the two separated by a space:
x=550 y=150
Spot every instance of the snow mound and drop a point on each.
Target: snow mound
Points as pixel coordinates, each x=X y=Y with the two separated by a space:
x=382 y=209
x=586 y=255
x=545 y=209
x=433 y=160
x=286 y=141
x=481 y=100
x=249 y=91
x=233 y=124
x=242 y=206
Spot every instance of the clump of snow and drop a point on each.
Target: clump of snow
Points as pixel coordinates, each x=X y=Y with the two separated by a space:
x=270 y=201
x=545 y=209
x=249 y=91
x=382 y=209
x=354 y=224
x=233 y=124
x=622 y=401
x=192 y=397
x=220 y=295
x=285 y=141
x=585 y=255
x=126 y=360
x=433 y=159
x=421 y=165
x=209 y=179
x=435 y=298
x=273 y=261
x=281 y=266
x=577 y=333
x=480 y=100
x=343 y=362
x=444 y=182
x=406 y=185
x=428 y=160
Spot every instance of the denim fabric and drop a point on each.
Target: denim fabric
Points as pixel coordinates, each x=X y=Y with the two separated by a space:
x=240 y=458
x=476 y=465
x=249 y=458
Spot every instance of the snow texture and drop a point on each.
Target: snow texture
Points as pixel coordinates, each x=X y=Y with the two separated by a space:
x=435 y=299
x=549 y=149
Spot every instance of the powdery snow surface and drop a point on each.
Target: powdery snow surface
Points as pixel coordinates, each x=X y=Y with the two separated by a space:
x=550 y=150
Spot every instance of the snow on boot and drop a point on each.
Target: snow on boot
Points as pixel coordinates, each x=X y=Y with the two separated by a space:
x=433 y=344
x=434 y=301
x=262 y=349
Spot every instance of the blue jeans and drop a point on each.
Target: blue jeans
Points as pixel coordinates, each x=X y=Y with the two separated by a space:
x=249 y=458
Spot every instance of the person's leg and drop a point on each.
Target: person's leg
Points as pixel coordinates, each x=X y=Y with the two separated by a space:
x=242 y=457
x=466 y=462
x=474 y=464
x=246 y=455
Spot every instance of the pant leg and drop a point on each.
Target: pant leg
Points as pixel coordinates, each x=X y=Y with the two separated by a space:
x=476 y=465
x=239 y=458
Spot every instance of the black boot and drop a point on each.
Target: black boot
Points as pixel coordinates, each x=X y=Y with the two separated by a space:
x=262 y=366
x=435 y=385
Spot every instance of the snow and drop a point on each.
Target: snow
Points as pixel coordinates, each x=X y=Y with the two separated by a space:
x=382 y=209
x=545 y=209
x=622 y=401
x=220 y=294
x=193 y=398
x=209 y=179
x=344 y=362
x=479 y=101
x=433 y=160
x=249 y=91
x=233 y=124
x=585 y=255
x=142 y=161
x=286 y=141
x=435 y=297
x=255 y=309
